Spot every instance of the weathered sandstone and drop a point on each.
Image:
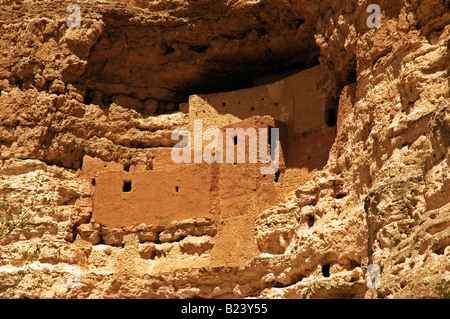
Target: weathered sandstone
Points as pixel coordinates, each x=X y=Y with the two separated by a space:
x=364 y=119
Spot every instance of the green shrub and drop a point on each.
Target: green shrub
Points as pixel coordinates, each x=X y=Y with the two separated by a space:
x=442 y=290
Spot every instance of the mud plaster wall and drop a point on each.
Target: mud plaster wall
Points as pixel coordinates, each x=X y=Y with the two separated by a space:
x=299 y=103
x=227 y=195
x=173 y=191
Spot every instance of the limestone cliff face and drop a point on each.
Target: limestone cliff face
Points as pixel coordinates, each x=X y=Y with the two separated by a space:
x=368 y=183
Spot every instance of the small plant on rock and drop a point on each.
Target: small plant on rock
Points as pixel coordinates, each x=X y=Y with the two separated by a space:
x=442 y=290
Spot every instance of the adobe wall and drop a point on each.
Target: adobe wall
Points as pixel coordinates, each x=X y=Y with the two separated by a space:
x=299 y=101
x=153 y=197
x=181 y=191
x=228 y=195
x=242 y=186
x=297 y=105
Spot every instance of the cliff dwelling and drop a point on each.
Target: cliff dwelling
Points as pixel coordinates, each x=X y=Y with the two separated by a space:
x=316 y=157
x=226 y=195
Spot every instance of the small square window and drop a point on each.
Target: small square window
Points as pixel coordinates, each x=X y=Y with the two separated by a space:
x=126 y=186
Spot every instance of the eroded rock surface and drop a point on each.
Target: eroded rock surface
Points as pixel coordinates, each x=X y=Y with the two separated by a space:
x=115 y=90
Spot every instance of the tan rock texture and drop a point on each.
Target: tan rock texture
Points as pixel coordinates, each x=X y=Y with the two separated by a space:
x=364 y=119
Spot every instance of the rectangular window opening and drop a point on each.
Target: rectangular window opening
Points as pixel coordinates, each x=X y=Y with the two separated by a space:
x=126 y=186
